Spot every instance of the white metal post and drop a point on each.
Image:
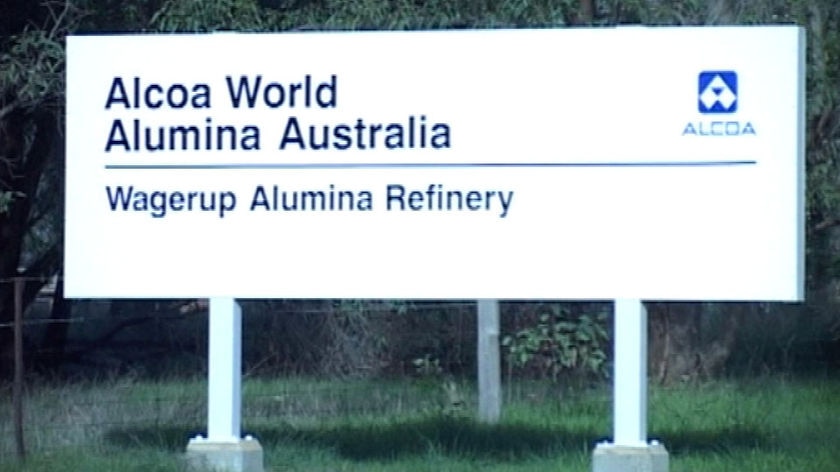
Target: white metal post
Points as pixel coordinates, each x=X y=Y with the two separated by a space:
x=223 y=449
x=489 y=362
x=224 y=400
x=630 y=381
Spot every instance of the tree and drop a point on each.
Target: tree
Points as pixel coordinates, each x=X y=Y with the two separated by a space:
x=32 y=64
x=32 y=100
x=31 y=148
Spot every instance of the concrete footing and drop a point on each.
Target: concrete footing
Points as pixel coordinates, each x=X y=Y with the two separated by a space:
x=245 y=455
x=611 y=458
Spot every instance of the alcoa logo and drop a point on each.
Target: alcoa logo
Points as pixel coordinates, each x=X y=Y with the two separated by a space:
x=717 y=94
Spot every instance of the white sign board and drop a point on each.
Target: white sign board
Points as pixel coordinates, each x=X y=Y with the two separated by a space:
x=653 y=163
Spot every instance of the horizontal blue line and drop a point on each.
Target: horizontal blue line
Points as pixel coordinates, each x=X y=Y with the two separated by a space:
x=416 y=165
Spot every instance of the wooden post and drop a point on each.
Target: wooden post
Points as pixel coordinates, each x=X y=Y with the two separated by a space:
x=17 y=386
x=489 y=362
x=586 y=11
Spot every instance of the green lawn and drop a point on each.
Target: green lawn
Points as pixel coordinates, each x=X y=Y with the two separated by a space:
x=130 y=425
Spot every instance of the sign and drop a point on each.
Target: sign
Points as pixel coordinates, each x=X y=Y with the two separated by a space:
x=653 y=163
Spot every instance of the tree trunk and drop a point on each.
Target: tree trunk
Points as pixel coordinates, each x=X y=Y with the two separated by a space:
x=21 y=168
x=586 y=11
x=677 y=349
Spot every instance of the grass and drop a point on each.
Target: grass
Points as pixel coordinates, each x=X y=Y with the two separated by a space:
x=304 y=424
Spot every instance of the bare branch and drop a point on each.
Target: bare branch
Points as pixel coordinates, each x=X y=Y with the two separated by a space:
x=827 y=224
x=8 y=108
x=59 y=20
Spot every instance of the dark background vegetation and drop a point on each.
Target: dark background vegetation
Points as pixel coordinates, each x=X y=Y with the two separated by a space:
x=373 y=338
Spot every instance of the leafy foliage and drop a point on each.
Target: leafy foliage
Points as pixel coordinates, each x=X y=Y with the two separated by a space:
x=31 y=77
x=201 y=16
x=560 y=344
x=31 y=71
x=427 y=366
x=32 y=83
x=7 y=198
